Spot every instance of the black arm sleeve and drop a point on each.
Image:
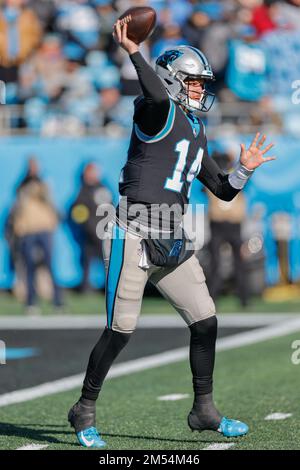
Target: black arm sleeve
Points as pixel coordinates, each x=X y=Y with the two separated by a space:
x=152 y=112
x=215 y=179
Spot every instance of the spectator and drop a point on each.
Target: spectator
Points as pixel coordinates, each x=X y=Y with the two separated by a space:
x=102 y=72
x=180 y=10
x=247 y=67
x=196 y=26
x=116 y=119
x=107 y=17
x=282 y=51
x=129 y=81
x=206 y=14
x=32 y=174
x=289 y=14
x=45 y=11
x=20 y=34
x=110 y=98
x=207 y=30
x=80 y=99
x=44 y=76
x=225 y=226
x=83 y=213
x=79 y=25
x=171 y=36
x=34 y=222
x=264 y=17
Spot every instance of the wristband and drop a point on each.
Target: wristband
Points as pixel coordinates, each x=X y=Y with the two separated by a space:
x=239 y=177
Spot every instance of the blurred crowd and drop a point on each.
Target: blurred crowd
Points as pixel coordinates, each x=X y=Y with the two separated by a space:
x=30 y=227
x=61 y=65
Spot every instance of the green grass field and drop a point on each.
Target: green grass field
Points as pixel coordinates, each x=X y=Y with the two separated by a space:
x=250 y=383
x=95 y=302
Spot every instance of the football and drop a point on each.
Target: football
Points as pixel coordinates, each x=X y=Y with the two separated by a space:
x=141 y=22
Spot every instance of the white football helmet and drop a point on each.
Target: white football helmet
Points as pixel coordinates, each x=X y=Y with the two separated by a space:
x=175 y=65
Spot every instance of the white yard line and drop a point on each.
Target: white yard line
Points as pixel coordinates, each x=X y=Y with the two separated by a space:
x=255 y=336
x=145 y=321
x=278 y=416
x=33 y=447
x=219 y=446
x=173 y=397
x=156 y=360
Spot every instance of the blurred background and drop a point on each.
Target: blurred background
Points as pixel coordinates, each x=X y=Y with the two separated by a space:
x=65 y=122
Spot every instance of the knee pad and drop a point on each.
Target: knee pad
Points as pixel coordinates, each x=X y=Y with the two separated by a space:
x=124 y=323
x=205 y=328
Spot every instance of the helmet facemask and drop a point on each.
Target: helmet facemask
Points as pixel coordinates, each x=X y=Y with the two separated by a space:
x=206 y=98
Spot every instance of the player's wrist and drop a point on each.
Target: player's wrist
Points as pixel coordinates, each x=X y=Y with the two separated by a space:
x=133 y=50
x=239 y=176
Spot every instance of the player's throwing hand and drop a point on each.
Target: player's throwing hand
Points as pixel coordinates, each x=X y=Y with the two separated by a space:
x=120 y=36
x=254 y=156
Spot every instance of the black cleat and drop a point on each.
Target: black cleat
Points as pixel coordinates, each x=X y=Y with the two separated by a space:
x=226 y=427
x=82 y=416
x=203 y=423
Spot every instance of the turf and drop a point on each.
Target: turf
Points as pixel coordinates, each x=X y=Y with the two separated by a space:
x=250 y=383
x=93 y=303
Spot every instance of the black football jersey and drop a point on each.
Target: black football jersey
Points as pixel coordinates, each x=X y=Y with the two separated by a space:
x=161 y=168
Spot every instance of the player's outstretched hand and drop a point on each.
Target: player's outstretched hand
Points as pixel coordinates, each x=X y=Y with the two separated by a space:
x=253 y=157
x=120 y=36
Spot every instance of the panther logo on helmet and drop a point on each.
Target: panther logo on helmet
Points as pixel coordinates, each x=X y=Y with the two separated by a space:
x=177 y=65
x=168 y=57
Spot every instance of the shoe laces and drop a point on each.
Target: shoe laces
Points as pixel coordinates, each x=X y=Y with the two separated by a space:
x=91 y=433
x=228 y=422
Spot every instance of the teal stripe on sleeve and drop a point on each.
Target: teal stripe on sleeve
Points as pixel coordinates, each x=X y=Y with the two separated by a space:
x=163 y=133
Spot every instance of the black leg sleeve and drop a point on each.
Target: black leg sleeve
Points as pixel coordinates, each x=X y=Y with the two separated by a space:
x=102 y=356
x=204 y=414
x=202 y=354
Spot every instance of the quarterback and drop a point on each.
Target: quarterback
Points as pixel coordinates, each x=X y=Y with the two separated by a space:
x=167 y=150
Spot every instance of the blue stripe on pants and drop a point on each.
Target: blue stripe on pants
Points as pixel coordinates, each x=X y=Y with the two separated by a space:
x=114 y=270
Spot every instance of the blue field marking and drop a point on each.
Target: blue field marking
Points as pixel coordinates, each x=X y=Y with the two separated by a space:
x=21 y=353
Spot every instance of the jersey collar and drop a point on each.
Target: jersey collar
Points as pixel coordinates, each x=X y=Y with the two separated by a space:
x=193 y=120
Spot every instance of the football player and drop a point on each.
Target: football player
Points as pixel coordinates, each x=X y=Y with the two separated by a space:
x=168 y=149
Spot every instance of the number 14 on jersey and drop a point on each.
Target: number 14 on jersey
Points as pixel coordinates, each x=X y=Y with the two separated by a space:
x=175 y=183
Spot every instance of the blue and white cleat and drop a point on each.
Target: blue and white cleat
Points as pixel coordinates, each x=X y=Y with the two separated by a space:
x=232 y=427
x=82 y=417
x=90 y=438
x=227 y=427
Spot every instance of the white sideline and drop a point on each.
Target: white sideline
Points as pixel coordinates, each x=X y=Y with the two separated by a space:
x=156 y=360
x=33 y=447
x=173 y=397
x=219 y=446
x=278 y=416
x=145 y=321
